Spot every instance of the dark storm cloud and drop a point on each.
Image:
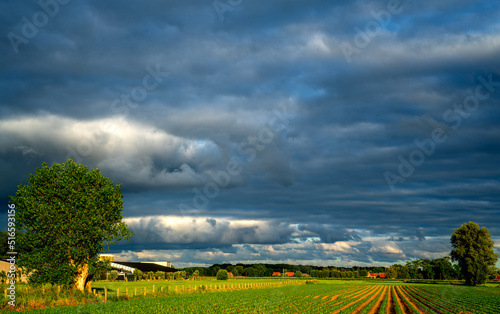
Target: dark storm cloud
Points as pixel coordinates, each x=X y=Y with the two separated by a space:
x=168 y=98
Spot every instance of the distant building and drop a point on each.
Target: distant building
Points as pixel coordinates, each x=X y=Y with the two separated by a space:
x=290 y=273
x=230 y=275
x=166 y=264
x=106 y=257
x=129 y=267
x=276 y=273
x=375 y=275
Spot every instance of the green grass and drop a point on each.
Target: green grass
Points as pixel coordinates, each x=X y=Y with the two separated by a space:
x=292 y=298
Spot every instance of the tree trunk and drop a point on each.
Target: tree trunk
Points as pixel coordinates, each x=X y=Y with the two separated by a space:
x=80 y=282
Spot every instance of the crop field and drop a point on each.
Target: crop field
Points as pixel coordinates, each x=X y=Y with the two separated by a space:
x=323 y=297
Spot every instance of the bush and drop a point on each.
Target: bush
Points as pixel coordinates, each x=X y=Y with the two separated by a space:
x=298 y=273
x=222 y=274
x=138 y=274
x=113 y=275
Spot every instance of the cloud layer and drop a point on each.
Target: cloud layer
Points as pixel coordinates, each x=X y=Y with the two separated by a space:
x=322 y=133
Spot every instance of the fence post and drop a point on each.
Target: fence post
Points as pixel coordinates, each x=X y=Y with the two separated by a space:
x=135 y=291
x=144 y=291
x=153 y=289
x=105 y=294
x=117 y=292
x=126 y=292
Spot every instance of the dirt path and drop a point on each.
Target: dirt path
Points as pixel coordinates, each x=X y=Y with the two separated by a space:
x=402 y=305
x=429 y=296
x=434 y=306
x=376 y=306
x=410 y=301
x=364 y=304
x=368 y=293
x=390 y=307
x=358 y=292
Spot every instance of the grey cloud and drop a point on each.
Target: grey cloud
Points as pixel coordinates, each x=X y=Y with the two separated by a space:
x=320 y=178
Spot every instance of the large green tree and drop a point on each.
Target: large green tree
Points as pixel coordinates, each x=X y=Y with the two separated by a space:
x=473 y=249
x=65 y=216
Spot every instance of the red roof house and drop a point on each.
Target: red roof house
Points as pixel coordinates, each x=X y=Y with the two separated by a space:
x=371 y=275
x=290 y=273
x=230 y=275
x=382 y=275
x=276 y=273
x=498 y=277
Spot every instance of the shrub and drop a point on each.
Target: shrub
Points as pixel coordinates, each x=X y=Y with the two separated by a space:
x=222 y=274
x=298 y=273
x=138 y=274
x=113 y=275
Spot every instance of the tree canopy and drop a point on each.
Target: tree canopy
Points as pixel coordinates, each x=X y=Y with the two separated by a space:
x=473 y=249
x=65 y=216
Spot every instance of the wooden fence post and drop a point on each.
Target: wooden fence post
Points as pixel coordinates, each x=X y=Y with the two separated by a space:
x=144 y=291
x=135 y=291
x=117 y=292
x=126 y=292
x=105 y=294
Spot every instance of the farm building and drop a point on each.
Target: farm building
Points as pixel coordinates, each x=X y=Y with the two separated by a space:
x=230 y=275
x=375 y=275
x=145 y=267
x=289 y=274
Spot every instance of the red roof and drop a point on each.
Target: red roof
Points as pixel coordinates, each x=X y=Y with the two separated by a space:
x=276 y=273
x=290 y=274
x=382 y=275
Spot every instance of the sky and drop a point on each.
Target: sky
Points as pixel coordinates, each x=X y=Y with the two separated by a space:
x=318 y=132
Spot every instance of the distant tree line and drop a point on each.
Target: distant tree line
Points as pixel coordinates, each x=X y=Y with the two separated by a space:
x=440 y=268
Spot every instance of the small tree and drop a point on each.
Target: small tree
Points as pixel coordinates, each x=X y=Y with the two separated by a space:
x=160 y=275
x=138 y=275
x=222 y=274
x=113 y=275
x=298 y=273
x=473 y=249
x=196 y=274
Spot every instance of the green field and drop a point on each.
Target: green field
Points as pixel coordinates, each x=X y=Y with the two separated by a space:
x=326 y=296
